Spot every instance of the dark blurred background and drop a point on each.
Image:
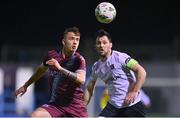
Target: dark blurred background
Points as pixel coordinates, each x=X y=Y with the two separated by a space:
x=40 y=22
x=148 y=30
x=138 y=23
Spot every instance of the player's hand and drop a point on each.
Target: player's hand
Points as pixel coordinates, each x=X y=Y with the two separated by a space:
x=54 y=62
x=130 y=98
x=20 y=91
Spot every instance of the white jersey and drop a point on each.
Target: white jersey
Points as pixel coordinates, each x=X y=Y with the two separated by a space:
x=117 y=77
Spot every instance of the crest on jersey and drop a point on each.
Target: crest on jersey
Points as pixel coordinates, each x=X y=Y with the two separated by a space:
x=112 y=66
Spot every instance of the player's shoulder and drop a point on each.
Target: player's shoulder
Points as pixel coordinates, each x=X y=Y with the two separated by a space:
x=96 y=65
x=52 y=52
x=117 y=55
x=79 y=56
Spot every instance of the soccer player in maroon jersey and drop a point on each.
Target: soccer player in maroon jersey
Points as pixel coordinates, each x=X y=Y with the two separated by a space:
x=67 y=74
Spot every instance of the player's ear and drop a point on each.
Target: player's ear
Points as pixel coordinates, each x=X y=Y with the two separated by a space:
x=63 y=41
x=111 y=45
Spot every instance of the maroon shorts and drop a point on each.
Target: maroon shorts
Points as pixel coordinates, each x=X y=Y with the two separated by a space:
x=67 y=111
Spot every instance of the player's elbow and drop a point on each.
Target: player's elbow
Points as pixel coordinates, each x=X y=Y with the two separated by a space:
x=142 y=72
x=81 y=80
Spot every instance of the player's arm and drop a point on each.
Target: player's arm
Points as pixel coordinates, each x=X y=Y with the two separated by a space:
x=89 y=91
x=140 y=79
x=37 y=75
x=140 y=74
x=78 y=76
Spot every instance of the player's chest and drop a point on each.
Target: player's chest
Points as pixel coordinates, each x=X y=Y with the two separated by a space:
x=68 y=64
x=104 y=70
x=109 y=70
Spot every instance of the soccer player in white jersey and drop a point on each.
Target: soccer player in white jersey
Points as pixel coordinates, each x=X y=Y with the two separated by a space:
x=123 y=76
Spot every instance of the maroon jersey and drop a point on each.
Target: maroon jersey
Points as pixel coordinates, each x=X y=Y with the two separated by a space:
x=63 y=91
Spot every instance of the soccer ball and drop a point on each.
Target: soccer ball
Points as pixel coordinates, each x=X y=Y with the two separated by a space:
x=105 y=12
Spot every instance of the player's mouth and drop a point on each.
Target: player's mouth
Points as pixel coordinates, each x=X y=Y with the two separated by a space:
x=101 y=51
x=74 y=47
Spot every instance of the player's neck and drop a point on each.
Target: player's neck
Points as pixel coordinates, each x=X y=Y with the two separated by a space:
x=105 y=57
x=66 y=53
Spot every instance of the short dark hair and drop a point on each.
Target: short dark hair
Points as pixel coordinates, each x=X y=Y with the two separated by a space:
x=72 y=29
x=101 y=33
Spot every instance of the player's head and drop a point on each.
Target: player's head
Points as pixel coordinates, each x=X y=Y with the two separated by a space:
x=103 y=43
x=71 y=39
x=101 y=33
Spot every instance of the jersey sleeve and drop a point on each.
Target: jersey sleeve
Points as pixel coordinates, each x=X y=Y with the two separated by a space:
x=127 y=61
x=82 y=63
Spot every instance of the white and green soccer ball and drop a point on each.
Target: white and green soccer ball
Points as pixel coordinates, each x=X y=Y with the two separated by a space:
x=105 y=12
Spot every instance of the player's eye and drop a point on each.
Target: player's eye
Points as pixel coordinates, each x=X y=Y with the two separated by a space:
x=71 y=38
x=104 y=42
x=77 y=39
x=98 y=43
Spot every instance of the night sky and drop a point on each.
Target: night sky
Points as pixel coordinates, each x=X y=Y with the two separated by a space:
x=31 y=22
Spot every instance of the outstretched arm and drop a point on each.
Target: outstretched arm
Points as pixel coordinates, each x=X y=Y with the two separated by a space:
x=37 y=74
x=89 y=91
